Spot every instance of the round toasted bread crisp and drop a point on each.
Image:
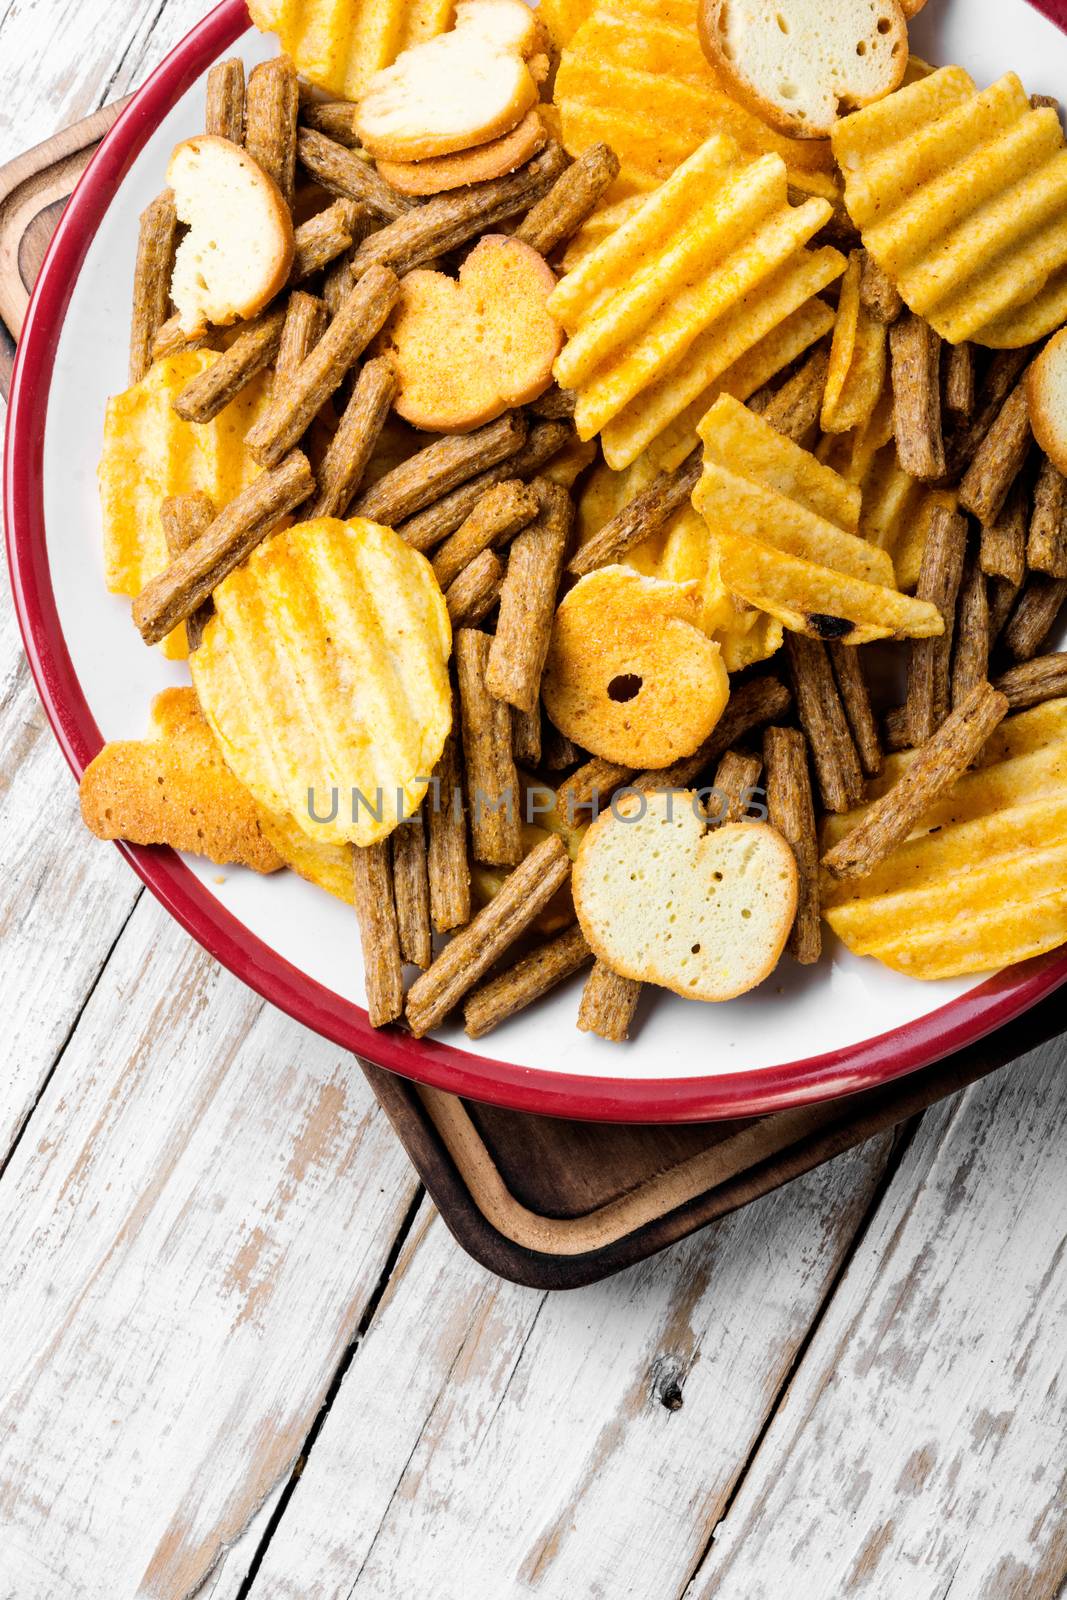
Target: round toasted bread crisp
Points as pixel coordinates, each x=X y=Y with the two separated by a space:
x=1046 y=393
x=493 y=160
x=802 y=64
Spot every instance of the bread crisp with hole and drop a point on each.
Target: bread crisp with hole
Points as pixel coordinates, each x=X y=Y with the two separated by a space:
x=1046 y=393
x=802 y=64
x=238 y=251
x=664 y=899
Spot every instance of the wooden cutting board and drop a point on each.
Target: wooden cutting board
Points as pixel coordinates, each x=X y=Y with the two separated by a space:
x=542 y=1201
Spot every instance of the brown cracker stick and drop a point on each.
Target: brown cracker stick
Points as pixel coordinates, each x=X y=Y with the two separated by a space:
x=492 y=781
x=736 y=778
x=372 y=877
x=1046 y=547
x=895 y=729
x=156 y=244
x=411 y=891
x=526 y=736
x=344 y=173
x=794 y=408
x=519 y=986
x=1000 y=379
x=225 y=108
x=999 y=459
x=335 y=118
x=337 y=284
x=449 y=461
x=210 y=392
x=1031 y=682
x=327 y=235
x=645 y=514
x=1035 y=613
x=188 y=581
x=449 y=866
x=856 y=699
x=878 y=295
x=929 y=660
x=357 y=433
x=449 y=220
x=608 y=1004
x=959 y=396
x=528 y=602
x=940 y=761
x=362 y=315
x=559 y=215
x=474 y=592
x=555 y=405
x=1001 y=594
x=822 y=716
x=184 y=518
x=970 y=663
x=443 y=516
x=271 y=106
x=500 y=513
x=522 y=896
x=789 y=804
x=915 y=359
x=752 y=704
x=559 y=752
x=170 y=338
x=1003 y=542
x=591 y=788
x=304 y=326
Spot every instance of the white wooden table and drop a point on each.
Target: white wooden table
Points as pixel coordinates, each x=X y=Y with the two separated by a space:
x=239 y=1350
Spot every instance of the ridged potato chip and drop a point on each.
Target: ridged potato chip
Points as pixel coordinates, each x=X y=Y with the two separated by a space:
x=150 y=453
x=982 y=881
x=563 y=18
x=324 y=674
x=785 y=526
x=961 y=198
x=711 y=264
x=341 y=47
x=856 y=379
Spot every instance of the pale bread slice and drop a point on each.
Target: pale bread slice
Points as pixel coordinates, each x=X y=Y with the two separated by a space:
x=662 y=899
x=440 y=174
x=238 y=252
x=1046 y=393
x=802 y=64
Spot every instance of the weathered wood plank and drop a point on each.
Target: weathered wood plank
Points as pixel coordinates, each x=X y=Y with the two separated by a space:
x=201 y=1209
x=922 y=1449
x=491 y=1441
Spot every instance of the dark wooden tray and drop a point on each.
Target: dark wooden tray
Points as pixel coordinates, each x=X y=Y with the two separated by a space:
x=545 y=1202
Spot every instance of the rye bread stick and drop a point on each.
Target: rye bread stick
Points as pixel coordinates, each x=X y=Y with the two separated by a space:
x=500 y=513
x=528 y=602
x=444 y=515
x=591 y=788
x=560 y=213
x=856 y=699
x=449 y=220
x=447 y=859
x=526 y=736
x=878 y=295
x=970 y=661
x=327 y=235
x=1001 y=376
x=492 y=782
x=156 y=244
x=411 y=891
x=895 y=729
x=1046 y=545
x=1003 y=542
x=362 y=315
x=210 y=392
x=170 y=338
x=732 y=788
x=645 y=514
x=337 y=284
x=1031 y=682
x=960 y=396
x=750 y=706
x=608 y=1004
x=441 y=466
x=304 y=326
x=522 y=896
x=343 y=173
x=362 y=420
x=822 y=716
x=793 y=410
x=939 y=762
x=372 y=878
x=519 y=986
x=189 y=579
x=271 y=107
x=928 y=692
x=224 y=112
x=555 y=405
x=474 y=592
x=1001 y=594
x=184 y=518
x=999 y=459
x=334 y=118
x=915 y=361
x=790 y=810
x=1034 y=616
x=558 y=752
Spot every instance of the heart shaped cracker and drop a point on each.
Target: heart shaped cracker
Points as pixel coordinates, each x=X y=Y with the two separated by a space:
x=663 y=899
x=468 y=349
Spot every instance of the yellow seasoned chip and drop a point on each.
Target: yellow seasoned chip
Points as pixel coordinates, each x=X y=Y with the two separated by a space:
x=324 y=674
x=340 y=46
x=961 y=197
x=981 y=882
x=634 y=76
x=711 y=264
x=785 y=528
x=856 y=379
x=563 y=18
x=150 y=453
x=327 y=866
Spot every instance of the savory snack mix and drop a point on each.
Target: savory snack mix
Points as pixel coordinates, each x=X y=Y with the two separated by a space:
x=535 y=418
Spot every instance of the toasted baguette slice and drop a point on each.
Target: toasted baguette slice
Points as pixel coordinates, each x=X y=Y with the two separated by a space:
x=662 y=900
x=1046 y=393
x=802 y=64
x=238 y=252
x=493 y=160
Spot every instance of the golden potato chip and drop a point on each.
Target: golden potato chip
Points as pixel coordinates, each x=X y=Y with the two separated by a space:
x=785 y=527
x=982 y=881
x=961 y=197
x=707 y=267
x=150 y=453
x=856 y=379
x=563 y=18
x=630 y=675
x=340 y=47
x=324 y=676
x=633 y=75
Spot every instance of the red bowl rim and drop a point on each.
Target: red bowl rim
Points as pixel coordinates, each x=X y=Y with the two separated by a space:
x=735 y=1094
